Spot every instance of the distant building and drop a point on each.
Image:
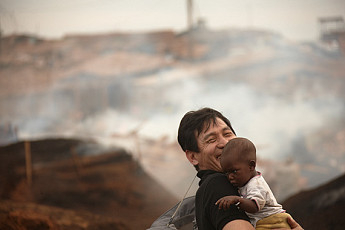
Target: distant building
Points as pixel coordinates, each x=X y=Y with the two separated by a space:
x=332 y=30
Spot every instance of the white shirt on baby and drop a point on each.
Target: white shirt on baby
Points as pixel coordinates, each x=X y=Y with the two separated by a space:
x=258 y=190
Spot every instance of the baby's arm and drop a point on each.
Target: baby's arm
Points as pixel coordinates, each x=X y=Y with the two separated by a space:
x=245 y=204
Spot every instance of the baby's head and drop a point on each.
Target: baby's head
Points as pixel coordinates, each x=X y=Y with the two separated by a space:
x=238 y=161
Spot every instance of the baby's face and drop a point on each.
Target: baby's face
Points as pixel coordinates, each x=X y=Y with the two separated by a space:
x=238 y=172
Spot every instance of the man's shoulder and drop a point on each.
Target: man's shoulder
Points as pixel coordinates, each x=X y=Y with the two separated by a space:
x=211 y=179
x=216 y=183
x=208 y=175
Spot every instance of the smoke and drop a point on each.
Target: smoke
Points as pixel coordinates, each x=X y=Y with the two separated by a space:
x=270 y=121
x=273 y=92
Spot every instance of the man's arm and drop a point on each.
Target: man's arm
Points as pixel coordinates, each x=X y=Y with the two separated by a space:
x=293 y=224
x=239 y=225
x=245 y=225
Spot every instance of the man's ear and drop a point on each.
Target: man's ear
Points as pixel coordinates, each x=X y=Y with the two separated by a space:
x=252 y=165
x=191 y=156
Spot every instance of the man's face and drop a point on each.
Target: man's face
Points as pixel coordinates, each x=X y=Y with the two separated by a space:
x=211 y=143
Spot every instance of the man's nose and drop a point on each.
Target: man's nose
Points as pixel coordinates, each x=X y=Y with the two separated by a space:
x=222 y=141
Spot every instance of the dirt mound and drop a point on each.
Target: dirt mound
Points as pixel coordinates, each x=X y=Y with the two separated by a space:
x=22 y=216
x=81 y=176
x=320 y=208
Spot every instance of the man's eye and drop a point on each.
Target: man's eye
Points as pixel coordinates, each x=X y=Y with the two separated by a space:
x=211 y=140
x=229 y=134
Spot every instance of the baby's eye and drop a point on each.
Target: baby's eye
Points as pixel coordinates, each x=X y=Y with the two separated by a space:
x=235 y=171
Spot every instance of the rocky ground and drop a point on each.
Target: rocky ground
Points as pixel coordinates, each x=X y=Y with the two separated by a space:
x=26 y=216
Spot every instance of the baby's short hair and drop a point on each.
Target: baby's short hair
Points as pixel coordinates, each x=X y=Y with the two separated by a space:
x=243 y=148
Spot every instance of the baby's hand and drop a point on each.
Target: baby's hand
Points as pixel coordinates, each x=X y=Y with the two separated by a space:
x=225 y=202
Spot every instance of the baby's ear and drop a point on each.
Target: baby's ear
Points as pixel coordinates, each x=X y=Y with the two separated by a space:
x=252 y=164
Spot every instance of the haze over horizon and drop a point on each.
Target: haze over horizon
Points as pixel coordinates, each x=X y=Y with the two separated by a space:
x=295 y=20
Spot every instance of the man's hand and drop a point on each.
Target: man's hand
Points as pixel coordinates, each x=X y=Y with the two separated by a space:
x=225 y=202
x=293 y=224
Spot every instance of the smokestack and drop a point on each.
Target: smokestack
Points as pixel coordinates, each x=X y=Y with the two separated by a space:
x=189 y=14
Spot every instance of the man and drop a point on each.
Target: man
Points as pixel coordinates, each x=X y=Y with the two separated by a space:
x=202 y=135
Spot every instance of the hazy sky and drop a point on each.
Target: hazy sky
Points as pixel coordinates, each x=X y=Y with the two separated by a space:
x=294 y=19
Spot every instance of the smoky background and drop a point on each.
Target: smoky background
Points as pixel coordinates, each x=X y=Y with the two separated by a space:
x=130 y=90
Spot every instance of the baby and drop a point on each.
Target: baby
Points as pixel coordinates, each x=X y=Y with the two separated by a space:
x=238 y=161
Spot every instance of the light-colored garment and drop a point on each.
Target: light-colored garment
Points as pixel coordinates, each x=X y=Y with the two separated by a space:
x=275 y=221
x=258 y=190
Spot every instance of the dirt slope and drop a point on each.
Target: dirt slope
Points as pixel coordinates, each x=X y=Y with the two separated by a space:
x=321 y=208
x=65 y=174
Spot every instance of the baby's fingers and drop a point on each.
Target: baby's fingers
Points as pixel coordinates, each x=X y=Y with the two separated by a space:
x=220 y=203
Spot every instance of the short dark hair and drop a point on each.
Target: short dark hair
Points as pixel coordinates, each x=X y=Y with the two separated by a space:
x=192 y=125
x=240 y=147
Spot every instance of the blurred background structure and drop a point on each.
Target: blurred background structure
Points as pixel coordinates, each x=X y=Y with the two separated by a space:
x=123 y=73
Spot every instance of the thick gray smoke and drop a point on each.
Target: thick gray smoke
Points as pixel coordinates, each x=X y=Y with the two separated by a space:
x=280 y=95
x=271 y=122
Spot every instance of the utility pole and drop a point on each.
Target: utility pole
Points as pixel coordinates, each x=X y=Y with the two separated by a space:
x=0 y=38
x=190 y=45
x=189 y=14
x=28 y=163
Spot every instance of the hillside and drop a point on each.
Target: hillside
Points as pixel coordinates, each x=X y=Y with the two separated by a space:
x=68 y=175
x=320 y=208
x=130 y=90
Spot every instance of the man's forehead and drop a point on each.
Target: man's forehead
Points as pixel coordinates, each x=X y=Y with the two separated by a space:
x=213 y=123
